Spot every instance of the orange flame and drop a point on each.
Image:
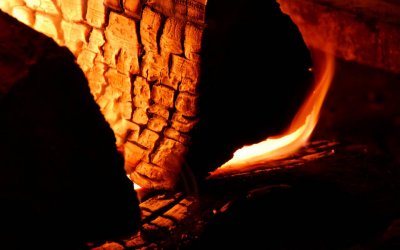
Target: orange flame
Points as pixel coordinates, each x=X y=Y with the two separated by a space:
x=296 y=136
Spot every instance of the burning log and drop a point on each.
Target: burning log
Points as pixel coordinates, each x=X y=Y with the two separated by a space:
x=62 y=179
x=327 y=195
x=315 y=150
x=142 y=61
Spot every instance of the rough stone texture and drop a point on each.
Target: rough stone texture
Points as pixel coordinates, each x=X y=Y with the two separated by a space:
x=62 y=179
x=47 y=25
x=176 y=135
x=367 y=32
x=191 y=10
x=163 y=95
x=75 y=36
x=171 y=37
x=141 y=93
x=114 y=5
x=134 y=154
x=157 y=124
x=72 y=10
x=149 y=26
x=24 y=14
x=133 y=8
x=152 y=176
x=170 y=153
x=95 y=15
x=186 y=104
x=140 y=101
x=47 y=6
x=192 y=43
x=121 y=49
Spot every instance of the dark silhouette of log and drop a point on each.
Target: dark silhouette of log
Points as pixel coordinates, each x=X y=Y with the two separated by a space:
x=62 y=181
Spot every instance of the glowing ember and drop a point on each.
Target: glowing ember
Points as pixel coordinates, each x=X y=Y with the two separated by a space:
x=136 y=186
x=278 y=147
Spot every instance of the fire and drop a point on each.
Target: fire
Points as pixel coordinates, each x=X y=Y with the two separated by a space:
x=136 y=187
x=297 y=135
x=106 y=44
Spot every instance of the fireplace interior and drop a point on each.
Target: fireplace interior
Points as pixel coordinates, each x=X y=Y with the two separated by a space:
x=182 y=85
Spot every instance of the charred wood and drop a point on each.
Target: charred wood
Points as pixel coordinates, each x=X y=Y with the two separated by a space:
x=337 y=200
x=62 y=180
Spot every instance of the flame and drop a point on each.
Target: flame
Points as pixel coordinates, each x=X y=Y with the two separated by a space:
x=297 y=135
x=136 y=187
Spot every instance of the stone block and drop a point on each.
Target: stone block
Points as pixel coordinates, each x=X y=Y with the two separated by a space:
x=186 y=104
x=150 y=176
x=159 y=110
x=153 y=66
x=72 y=10
x=193 y=41
x=149 y=27
x=171 y=38
x=140 y=116
x=48 y=25
x=169 y=155
x=141 y=92
x=157 y=124
x=45 y=6
x=118 y=81
x=113 y=4
x=75 y=35
x=148 y=138
x=133 y=155
x=133 y=8
x=96 y=13
x=182 y=123
x=163 y=95
x=121 y=49
x=177 y=136
x=24 y=15
x=96 y=41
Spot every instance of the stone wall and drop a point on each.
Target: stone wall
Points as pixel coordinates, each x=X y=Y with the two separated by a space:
x=142 y=61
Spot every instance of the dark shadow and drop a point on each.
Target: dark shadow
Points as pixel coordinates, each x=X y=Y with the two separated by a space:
x=255 y=75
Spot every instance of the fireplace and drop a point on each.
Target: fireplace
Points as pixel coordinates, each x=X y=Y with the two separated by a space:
x=161 y=73
x=143 y=62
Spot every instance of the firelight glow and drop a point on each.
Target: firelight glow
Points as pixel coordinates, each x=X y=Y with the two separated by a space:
x=136 y=186
x=296 y=136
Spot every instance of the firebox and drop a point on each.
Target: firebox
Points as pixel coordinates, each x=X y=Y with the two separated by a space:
x=237 y=114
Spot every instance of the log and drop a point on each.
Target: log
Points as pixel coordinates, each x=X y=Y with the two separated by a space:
x=62 y=179
x=142 y=61
x=327 y=195
x=365 y=32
